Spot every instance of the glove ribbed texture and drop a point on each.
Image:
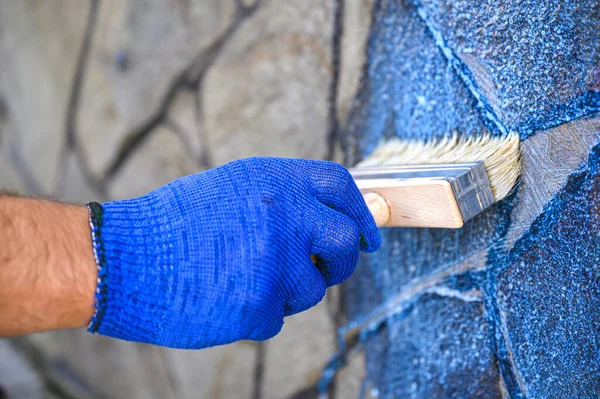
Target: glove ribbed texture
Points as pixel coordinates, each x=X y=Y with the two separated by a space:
x=224 y=255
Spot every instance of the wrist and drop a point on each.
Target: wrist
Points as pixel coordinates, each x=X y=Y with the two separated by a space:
x=48 y=273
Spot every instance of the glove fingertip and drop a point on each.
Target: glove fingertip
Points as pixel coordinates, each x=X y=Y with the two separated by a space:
x=371 y=241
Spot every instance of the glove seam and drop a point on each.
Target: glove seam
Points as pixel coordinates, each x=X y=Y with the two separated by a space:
x=96 y=214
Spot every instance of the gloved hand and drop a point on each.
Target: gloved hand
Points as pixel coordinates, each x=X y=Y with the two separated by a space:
x=224 y=255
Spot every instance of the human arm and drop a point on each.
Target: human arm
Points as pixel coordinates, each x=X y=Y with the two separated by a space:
x=47 y=269
x=218 y=256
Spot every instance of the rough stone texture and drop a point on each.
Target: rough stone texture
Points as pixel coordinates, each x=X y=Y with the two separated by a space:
x=162 y=158
x=437 y=348
x=38 y=62
x=184 y=120
x=418 y=96
x=549 y=158
x=163 y=88
x=17 y=378
x=138 y=52
x=540 y=59
x=519 y=280
x=74 y=186
x=9 y=179
x=349 y=381
x=548 y=293
x=356 y=25
x=293 y=361
x=113 y=368
x=281 y=56
x=222 y=372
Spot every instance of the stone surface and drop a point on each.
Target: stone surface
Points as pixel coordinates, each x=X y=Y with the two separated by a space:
x=91 y=366
x=540 y=60
x=356 y=27
x=349 y=381
x=437 y=348
x=9 y=179
x=184 y=119
x=409 y=90
x=138 y=51
x=221 y=372
x=548 y=291
x=161 y=159
x=74 y=187
x=17 y=378
x=267 y=92
x=436 y=68
x=39 y=45
x=295 y=357
x=114 y=368
x=549 y=158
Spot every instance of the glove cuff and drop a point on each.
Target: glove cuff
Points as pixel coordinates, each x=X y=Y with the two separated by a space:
x=96 y=219
x=132 y=242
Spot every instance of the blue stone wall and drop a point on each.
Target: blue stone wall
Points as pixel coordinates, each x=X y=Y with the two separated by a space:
x=471 y=313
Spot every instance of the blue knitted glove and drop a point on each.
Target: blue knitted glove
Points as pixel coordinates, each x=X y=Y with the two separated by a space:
x=224 y=255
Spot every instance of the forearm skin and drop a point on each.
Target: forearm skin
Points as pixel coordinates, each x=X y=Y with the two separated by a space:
x=47 y=268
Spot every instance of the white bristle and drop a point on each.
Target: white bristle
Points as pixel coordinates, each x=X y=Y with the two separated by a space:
x=500 y=155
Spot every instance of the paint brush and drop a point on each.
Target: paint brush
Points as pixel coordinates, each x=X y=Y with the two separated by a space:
x=438 y=183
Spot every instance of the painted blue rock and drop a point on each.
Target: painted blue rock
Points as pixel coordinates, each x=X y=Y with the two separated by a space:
x=508 y=306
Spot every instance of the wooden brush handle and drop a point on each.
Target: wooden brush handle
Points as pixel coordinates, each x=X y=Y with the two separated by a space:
x=378 y=207
x=414 y=203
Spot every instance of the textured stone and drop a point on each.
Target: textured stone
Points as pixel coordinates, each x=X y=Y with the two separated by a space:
x=548 y=292
x=549 y=157
x=356 y=27
x=439 y=67
x=9 y=180
x=39 y=44
x=183 y=119
x=437 y=348
x=408 y=89
x=114 y=368
x=538 y=60
x=139 y=49
x=349 y=381
x=267 y=92
x=17 y=377
x=74 y=187
x=294 y=358
x=221 y=372
x=161 y=159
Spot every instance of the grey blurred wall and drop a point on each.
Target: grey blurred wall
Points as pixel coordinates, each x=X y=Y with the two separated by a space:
x=108 y=99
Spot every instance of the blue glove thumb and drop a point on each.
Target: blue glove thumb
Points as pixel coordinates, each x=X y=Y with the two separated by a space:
x=224 y=255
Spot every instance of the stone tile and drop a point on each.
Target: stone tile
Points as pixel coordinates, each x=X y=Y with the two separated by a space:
x=357 y=23
x=114 y=368
x=183 y=119
x=161 y=159
x=523 y=55
x=220 y=372
x=549 y=157
x=74 y=187
x=439 y=348
x=9 y=180
x=296 y=356
x=39 y=45
x=139 y=50
x=548 y=292
x=126 y=370
x=17 y=377
x=267 y=92
x=349 y=380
